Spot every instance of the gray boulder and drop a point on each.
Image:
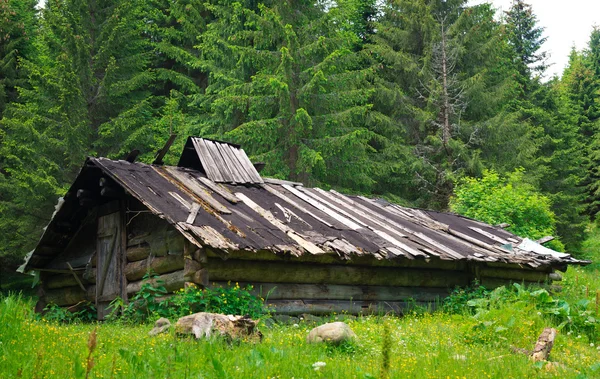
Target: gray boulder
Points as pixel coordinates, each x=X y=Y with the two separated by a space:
x=333 y=333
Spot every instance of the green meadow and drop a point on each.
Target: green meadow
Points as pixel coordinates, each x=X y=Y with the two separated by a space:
x=471 y=337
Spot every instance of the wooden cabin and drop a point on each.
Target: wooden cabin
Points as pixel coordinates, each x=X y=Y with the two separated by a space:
x=213 y=219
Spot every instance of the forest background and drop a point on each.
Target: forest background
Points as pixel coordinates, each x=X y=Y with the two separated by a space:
x=428 y=103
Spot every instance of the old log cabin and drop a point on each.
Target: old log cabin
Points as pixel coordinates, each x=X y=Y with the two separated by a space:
x=214 y=219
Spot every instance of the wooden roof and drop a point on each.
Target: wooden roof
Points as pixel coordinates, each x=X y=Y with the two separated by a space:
x=286 y=217
x=221 y=161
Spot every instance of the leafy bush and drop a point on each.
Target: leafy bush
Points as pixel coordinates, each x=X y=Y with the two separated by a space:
x=146 y=303
x=229 y=300
x=494 y=200
x=456 y=303
x=578 y=317
x=85 y=312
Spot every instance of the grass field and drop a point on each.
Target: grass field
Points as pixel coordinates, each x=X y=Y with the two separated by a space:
x=422 y=345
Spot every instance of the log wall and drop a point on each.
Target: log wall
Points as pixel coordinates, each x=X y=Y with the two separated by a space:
x=309 y=284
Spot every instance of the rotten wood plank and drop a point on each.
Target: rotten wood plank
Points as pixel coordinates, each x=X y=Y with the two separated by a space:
x=197 y=189
x=208 y=163
x=193 y=213
x=307 y=245
x=220 y=189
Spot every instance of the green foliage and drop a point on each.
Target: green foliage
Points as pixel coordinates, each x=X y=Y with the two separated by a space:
x=225 y=300
x=83 y=312
x=149 y=302
x=458 y=300
x=578 y=317
x=495 y=200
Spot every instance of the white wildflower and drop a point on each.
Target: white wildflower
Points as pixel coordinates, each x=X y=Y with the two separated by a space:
x=296 y=326
x=592 y=344
x=579 y=336
x=317 y=365
x=460 y=357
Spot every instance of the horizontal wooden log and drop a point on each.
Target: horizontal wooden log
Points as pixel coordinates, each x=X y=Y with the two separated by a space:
x=63 y=280
x=172 y=282
x=137 y=253
x=491 y=283
x=518 y=275
x=327 y=307
x=69 y=295
x=190 y=267
x=159 y=265
x=279 y=291
x=334 y=258
x=280 y=272
x=137 y=239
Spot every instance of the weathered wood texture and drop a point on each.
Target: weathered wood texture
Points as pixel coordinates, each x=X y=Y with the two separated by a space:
x=510 y=274
x=294 y=307
x=544 y=344
x=110 y=249
x=69 y=295
x=287 y=291
x=280 y=272
x=137 y=253
x=65 y=280
x=171 y=281
x=160 y=265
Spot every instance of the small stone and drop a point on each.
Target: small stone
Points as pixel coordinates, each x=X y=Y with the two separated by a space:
x=334 y=333
x=160 y=326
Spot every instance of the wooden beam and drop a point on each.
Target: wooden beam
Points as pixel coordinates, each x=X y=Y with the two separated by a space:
x=160 y=265
x=137 y=253
x=545 y=239
x=293 y=291
x=327 y=307
x=76 y=277
x=158 y=158
x=287 y=272
x=517 y=275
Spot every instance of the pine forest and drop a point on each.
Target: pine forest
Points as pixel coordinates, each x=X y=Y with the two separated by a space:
x=435 y=104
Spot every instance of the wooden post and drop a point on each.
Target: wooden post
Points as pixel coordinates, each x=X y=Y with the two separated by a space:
x=544 y=344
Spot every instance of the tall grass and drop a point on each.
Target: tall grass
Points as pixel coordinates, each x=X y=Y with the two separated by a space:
x=438 y=345
x=424 y=346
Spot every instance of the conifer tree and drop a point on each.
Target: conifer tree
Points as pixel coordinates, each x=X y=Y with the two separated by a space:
x=85 y=94
x=286 y=83
x=17 y=30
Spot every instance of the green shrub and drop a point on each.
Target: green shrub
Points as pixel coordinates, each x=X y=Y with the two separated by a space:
x=578 y=317
x=147 y=302
x=494 y=200
x=456 y=303
x=83 y=312
x=227 y=300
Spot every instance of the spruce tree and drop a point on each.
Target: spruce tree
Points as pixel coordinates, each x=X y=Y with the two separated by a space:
x=85 y=94
x=287 y=84
x=17 y=31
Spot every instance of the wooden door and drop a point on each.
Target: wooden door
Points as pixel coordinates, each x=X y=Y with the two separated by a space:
x=110 y=282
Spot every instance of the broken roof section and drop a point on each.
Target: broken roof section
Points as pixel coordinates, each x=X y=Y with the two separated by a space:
x=221 y=161
x=287 y=218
